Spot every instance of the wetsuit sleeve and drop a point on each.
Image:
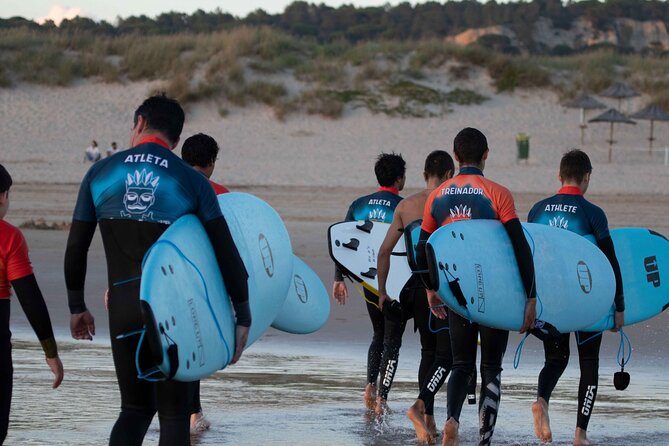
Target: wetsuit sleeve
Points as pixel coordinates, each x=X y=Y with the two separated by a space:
x=232 y=268
x=17 y=262
x=606 y=245
x=532 y=214
x=430 y=224
x=208 y=207
x=31 y=300
x=76 y=257
x=506 y=208
x=84 y=210
x=599 y=223
x=523 y=255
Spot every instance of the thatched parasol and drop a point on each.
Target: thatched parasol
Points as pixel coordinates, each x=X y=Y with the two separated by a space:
x=619 y=91
x=612 y=116
x=584 y=102
x=651 y=113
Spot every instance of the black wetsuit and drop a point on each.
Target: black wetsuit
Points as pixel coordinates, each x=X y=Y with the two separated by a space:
x=134 y=196
x=388 y=326
x=569 y=210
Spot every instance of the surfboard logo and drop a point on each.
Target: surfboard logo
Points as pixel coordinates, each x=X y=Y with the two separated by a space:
x=479 y=287
x=584 y=276
x=559 y=222
x=300 y=289
x=653 y=276
x=266 y=254
x=461 y=212
x=196 y=330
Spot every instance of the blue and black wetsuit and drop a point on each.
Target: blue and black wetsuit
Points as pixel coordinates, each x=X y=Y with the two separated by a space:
x=384 y=350
x=569 y=210
x=134 y=196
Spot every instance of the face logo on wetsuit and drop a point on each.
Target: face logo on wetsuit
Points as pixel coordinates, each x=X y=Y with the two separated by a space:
x=653 y=276
x=559 y=222
x=300 y=289
x=140 y=194
x=584 y=276
x=461 y=212
x=266 y=254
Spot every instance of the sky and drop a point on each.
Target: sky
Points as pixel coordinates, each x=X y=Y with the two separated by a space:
x=110 y=9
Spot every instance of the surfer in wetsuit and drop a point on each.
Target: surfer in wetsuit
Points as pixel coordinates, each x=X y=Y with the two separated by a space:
x=390 y=169
x=467 y=196
x=16 y=272
x=569 y=210
x=201 y=152
x=435 y=354
x=134 y=196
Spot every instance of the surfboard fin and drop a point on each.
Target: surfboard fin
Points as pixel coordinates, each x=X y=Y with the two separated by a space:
x=366 y=226
x=370 y=274
x=454 y=286
x=353 y=244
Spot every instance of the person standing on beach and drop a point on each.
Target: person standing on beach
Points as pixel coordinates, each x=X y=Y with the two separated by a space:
x=390 y=170
x=111 y=150
x=569 y=210
x=16 y=272
x=92 y=153
x=135 y=198
x=201 y=152
x=469 y=195
x=436 y=358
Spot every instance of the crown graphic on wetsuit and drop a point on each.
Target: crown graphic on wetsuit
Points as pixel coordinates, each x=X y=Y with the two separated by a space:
x=142 y=179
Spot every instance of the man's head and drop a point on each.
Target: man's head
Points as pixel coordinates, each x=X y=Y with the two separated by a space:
x=438 y=165
x=470 y=147
x=113 y=144
x=390 y=169
x=575 y=169
x=159 y=116
x=5 y=184
x=201 y=152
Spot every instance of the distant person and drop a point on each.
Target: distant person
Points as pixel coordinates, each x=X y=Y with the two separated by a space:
x=435 y=354
x=16 y=272
x=135 y=198
x=469 y=195
x=92 y=153
x=112 y=149
x=569 y=210
x=390 y=172
x=201 y=152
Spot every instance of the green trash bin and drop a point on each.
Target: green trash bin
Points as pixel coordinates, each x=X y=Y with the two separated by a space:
x=523 y=144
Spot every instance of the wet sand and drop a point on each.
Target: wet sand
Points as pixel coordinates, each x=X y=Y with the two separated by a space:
x=299 y=390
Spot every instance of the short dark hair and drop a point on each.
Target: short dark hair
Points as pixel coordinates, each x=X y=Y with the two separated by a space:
x=438 y=163
x=199 y=150
x=162 y=114
x=469 y=146
x=389 y=168
x=5 y=179
x=574 y=165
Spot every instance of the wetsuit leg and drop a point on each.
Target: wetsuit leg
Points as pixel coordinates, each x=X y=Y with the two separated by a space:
x=376 y=346
x=394 y=325
x=6 y=369
x=556 y=353
x=196 y=406
x=588 y=358
x=464 y=337
x=443 y=361
x=428 y=343
x=493 y=347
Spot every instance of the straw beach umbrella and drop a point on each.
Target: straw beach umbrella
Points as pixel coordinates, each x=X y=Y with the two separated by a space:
x=651 y=113
x=612 y=116
x=619 y=91
x=585 y=103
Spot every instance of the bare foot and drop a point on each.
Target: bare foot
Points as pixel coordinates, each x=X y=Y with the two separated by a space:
x=431 y=425
x=416 y=414
x=381 y=407
x=581 y=438
x=542 y=424
x=451 y=437
x=370 y=396
x=198 y=423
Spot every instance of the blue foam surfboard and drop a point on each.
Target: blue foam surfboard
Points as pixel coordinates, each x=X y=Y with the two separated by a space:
x=574 y=280
x=182 y=286
x=307 y=307
x=643 y=256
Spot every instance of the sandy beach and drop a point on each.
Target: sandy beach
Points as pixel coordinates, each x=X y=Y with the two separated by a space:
x=305 y=390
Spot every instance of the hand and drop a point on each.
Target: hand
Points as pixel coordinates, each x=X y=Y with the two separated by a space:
x=383 y=296
x=107 y=299
x=436 y=304
x=618 y=321
x=530 y=315
x=57 y=368
x=339 y=292
x=241 y=337
x=82 y=326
